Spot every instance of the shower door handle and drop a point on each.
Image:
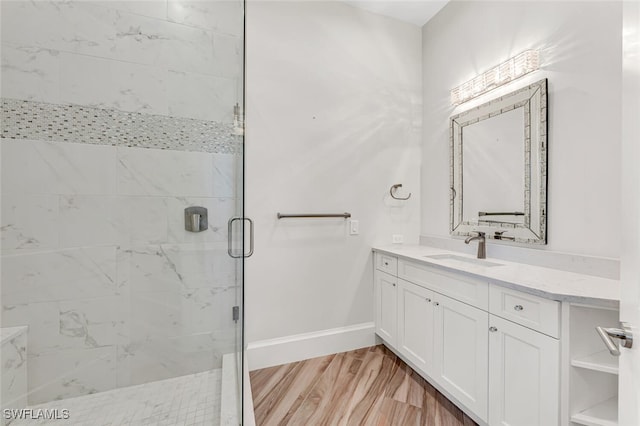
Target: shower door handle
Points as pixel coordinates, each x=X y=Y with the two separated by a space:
x=250 y=237
x=230 y=237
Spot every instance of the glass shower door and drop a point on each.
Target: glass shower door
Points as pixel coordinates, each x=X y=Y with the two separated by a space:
x=117 y=298
x=238 y=249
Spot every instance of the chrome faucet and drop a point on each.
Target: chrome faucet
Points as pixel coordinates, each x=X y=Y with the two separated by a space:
x=482 y=250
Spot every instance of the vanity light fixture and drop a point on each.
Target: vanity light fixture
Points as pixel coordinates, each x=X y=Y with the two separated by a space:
x=511 y=69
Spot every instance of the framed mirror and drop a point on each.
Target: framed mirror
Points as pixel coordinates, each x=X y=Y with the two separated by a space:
x=498 y=167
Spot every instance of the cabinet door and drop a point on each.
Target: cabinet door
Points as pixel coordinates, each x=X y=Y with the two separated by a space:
x=386 y=309
x=415 y=324
x=524 y=376
x=461 y=351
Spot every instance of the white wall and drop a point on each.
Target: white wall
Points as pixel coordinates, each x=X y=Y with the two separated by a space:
x=333 y=119
x=580 y=44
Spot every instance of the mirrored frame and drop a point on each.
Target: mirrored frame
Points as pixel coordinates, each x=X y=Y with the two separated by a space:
x=531 y=228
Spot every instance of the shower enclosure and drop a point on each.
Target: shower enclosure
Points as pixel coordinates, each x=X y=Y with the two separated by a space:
x=117 y=304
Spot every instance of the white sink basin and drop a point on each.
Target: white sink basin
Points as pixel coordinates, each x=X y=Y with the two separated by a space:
x=461 y=259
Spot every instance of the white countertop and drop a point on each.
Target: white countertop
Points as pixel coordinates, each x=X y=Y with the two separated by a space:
x=549 y=283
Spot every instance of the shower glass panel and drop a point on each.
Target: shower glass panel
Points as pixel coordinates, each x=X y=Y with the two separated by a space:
x=116 y=117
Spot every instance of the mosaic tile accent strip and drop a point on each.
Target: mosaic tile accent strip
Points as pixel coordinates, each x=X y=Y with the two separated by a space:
x=80 y=124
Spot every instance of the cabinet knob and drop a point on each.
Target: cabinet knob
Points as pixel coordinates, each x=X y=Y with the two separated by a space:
x=518 y=307
x=493 y=329
x=394 y=284
x=436 y=303
x=386 y=263
x=428 y=300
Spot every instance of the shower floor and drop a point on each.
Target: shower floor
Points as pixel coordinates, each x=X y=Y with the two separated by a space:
x=185 y=400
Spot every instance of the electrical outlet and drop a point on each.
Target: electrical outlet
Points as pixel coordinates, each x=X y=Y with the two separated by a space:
x=354 y=227
x=397 y=238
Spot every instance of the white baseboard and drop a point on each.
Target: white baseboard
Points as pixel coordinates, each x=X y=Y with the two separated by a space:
x=283 y=350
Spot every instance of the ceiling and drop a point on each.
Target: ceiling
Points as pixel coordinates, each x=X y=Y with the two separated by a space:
x=417 y=12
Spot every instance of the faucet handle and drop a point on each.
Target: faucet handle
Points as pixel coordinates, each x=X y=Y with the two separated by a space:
x=478 y=236
x=499 y=235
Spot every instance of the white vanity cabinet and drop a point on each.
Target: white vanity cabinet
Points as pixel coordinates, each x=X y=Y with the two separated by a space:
x=386 y=306
x=446 y=340
x=524 y=358
x=510 y=344
x=494 y=351
x=416 y=324
x=461 y=352
x=524 y=375
x=592 y=377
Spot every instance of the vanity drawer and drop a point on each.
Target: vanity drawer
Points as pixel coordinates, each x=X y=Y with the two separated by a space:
x=386 y=263
x=535 y=312
x=469 y=290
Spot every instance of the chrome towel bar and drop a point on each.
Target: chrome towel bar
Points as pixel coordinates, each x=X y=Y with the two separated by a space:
x=286 y=215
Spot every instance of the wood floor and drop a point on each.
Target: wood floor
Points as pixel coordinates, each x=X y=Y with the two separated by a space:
x=369 y=386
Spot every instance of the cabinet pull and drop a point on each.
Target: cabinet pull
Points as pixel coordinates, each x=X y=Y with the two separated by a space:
x=493 y=329
x=518 y=307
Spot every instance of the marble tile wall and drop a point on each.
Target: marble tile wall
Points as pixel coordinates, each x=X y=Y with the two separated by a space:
x=96 y=261
x=177 y=58
x=95 y=258
x=13 y=369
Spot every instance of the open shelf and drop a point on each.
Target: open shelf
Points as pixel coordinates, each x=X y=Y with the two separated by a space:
x=600 y=361
x=603 y=414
